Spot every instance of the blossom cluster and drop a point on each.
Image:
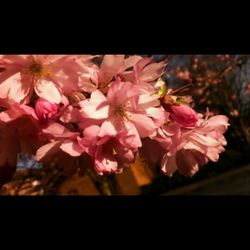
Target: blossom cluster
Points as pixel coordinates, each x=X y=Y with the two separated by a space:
x=100 y=112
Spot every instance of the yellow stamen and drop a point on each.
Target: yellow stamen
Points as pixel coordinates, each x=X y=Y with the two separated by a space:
x=120 y=112
x=114 y=151
x=38 y=70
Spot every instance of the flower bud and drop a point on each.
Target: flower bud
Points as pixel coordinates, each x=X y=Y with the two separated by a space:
x=184 y=115
x=45 y=110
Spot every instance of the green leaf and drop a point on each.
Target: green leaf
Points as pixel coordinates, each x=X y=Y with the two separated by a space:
x=162 y=92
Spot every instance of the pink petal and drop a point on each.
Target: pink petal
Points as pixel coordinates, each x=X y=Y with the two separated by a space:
x=15 y=88
x=124 y=154
x=130 y=61
x=45 y=152
x=168 y=165
x=142 y=63
x=47 y=90
x=66 y=81
x=110 y=66
x=108 y=128
x=218 y=120
x=70 y=114
x=17 y=111
x=105 y=162
x=59 y=131
x=72 y=148
x=14 y=60
x=95 y=108
x=159 y=116
x=91 y=132
x=130 y=138
x=204 y=140
x=152 y=71
x=120 y=92
x=213 y=154
x=144 y=125
x=195 y=146
x=10 y=71
x=89 y=140
x=148 y=101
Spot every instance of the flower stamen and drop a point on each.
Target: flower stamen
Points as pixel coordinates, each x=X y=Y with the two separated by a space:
x=37 y=69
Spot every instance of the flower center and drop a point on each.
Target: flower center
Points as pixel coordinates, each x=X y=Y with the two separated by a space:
x=121 y=112
x=38 y=70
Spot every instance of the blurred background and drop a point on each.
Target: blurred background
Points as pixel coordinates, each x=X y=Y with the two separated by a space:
x=220 y=82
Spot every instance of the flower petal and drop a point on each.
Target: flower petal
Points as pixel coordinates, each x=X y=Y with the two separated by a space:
x=168 y=165
x=96 y=107
x=47 y=90
x=45 y=152
x=110 y=66
x=144 y=125
x=15 y=88
x=72 y=148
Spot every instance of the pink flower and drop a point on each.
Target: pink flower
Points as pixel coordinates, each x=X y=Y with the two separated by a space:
x=195 y=147
x=145 y=74
x=94 y=77
x=153 y=149
x=113 y=157
x=123 y=109
x=48 y=75
x=63 y=144
x=45 y=110
x=110 y=154
x=112 y=65
x=183 y=115
x=187 y=162
x=59 y=138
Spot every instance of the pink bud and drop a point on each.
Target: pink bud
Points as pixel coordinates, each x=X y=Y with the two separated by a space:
x=184 y=115
x=45 y=110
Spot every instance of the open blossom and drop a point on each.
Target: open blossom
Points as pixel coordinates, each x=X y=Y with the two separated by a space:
x=62 y=143
x=145 y=74
x=100 y=76
x=153 y=149
x=47 y=75
x=59 y=138
x=135 y=69
x=110 y=154
x=194 y=148
x=111 y=67
x=123 y=109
